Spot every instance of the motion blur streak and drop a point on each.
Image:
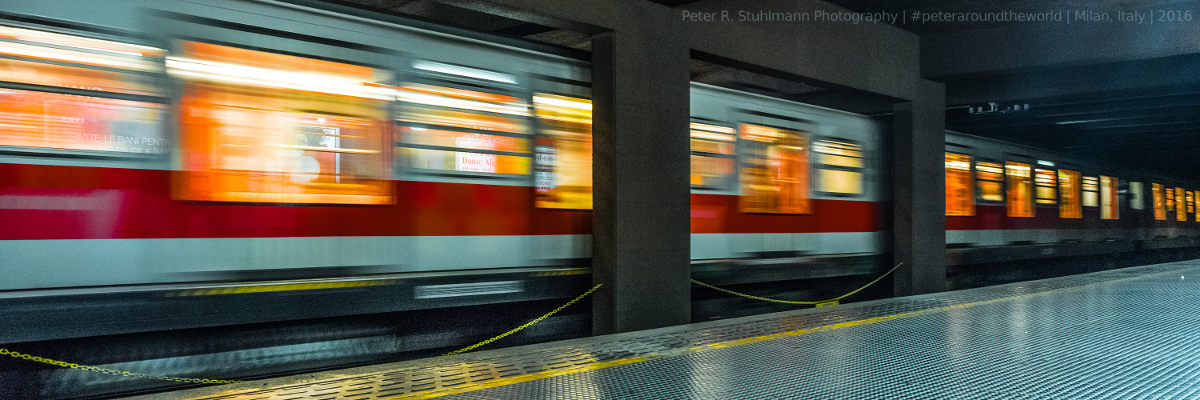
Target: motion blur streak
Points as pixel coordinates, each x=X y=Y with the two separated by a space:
x=96 y=200
x=91 y=121
x=564 y=152
x=254 y=133
x=775 y=172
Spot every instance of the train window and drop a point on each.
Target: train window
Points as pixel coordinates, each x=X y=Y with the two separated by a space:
x=1091 y=191
x=79 y=94
x=42 y=58
x=1046 y=186
x=1108 y=198
x=712 y=156
x=563 y=165
x=774 y=170
x=839 y=166
x=1137 y=196
x=1180 y=205
x=1191 y=201
x=1169 y=197
x=1197 y=204
x=1069 y=206
x=1020 y=193
x=1160 y=210
x=267 y=127
x=467 y=132
x=991 y=181
x=960 y=199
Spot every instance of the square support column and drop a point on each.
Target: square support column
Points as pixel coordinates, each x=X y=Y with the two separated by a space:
x=641 y=240
x=918 y=195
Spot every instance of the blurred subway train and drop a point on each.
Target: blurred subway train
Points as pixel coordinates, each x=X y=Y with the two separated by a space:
x=183 y=165
x=1006 y=202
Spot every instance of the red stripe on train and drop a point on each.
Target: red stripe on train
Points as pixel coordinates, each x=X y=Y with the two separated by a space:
x=63 y=202
x=59 y=202
x=713 y=213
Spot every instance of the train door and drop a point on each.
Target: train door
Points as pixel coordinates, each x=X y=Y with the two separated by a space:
x=775 y=175
x=1022 y=225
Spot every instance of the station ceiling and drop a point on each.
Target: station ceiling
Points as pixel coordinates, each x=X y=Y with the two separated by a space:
x=1117 y=91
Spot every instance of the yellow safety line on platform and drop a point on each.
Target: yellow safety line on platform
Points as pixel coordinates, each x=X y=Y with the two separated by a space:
x=109 y=371
x=816 y=302
x=285 y=287
x=527 y=324
x=464 y=388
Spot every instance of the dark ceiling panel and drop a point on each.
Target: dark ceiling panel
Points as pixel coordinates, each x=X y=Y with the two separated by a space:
x=1156 y=128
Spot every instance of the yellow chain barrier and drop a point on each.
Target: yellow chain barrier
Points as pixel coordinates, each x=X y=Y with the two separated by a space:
x=130 y=374
x=108 y=371
x=527 y=324
x=818 y=302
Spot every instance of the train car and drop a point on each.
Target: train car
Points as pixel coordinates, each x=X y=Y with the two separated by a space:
x=204 y=156
x=782 y=190
x=176 y=161
x=1007 y=202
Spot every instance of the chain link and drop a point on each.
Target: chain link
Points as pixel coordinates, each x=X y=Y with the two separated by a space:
x=130 y=374
x=749 y=296
x=527 y=324
x=107 y=371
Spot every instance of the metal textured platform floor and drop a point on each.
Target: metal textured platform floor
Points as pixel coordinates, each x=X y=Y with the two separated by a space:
x=1129 y=333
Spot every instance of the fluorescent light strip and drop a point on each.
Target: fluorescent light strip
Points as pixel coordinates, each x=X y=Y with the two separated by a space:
x=232 y=73
x=551 y=101
x=47 y=53
x=963 y=165
x=1086 y=121
x=463 y=71
x=700 y=134
x=712 y=128
x=122 y=48
x=442 y=101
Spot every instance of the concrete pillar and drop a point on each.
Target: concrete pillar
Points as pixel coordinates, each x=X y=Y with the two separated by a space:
x=918 y=192
x=641 y=234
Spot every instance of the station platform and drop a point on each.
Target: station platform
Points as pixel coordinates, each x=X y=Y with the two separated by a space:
x=1128 y=333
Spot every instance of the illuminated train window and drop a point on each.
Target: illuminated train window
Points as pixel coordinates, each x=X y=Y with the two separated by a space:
x=1169 y=196
x=1091 y=191
x=1191 y=200
x=1068 y=183
x=960 y=192
x=839 y=166
x=1020 y=189
x=1180 y=205
x=266 y=127
x=1137 y=196
x=1046 y=186
x=774 y=171
x=1160 y=210
x=1108 y=198
x=563 y=168
x=712 y=156
x=449 y=130
x=990 y=181
x=61 y=92
x=1196 y=197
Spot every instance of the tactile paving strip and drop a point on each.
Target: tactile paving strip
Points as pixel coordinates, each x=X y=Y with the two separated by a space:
x=1138 y=338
